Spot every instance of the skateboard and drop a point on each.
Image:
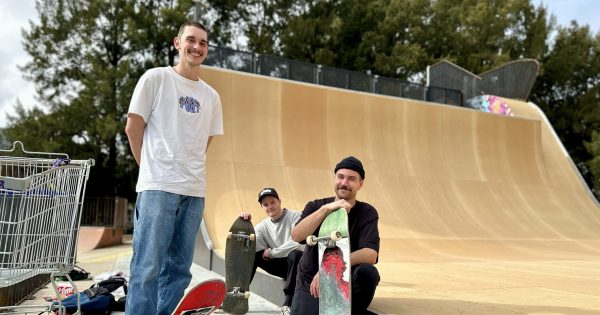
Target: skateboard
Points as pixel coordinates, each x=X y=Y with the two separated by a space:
x=240 y=250
x=334 y=263
x=203 y=299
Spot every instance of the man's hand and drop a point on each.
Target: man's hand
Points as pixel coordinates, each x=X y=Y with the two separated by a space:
x=246 y=216
x=314 y=286
x=266 y=254
x=341 y=203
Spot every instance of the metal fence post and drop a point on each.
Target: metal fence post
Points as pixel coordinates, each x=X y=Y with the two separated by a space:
x=318 y=74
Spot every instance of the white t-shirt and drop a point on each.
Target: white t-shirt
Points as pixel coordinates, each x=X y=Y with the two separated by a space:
x=180 y=115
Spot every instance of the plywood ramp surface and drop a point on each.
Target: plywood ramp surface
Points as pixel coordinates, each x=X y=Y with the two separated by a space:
x=479 y=213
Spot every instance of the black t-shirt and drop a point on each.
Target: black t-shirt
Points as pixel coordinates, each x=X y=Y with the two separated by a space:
x=362 y=223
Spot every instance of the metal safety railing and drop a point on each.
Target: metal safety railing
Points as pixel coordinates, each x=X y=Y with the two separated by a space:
x=283 y=68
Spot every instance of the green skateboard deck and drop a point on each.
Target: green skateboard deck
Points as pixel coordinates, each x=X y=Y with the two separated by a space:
x=334 y=264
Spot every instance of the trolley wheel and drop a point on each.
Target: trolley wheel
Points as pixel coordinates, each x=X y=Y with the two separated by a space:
x=246 y=294
x=336 y=236
x=252 y=237
x=310 y=240
x=229 y=235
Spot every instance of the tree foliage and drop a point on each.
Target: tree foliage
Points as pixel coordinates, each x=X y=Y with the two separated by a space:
x=568 y=91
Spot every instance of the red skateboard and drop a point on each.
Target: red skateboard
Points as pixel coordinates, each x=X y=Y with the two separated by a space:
x=203 y=299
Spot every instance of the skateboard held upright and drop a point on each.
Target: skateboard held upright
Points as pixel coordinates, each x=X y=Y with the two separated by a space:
x=240 y=250
x=334 y=264
x=203 y=299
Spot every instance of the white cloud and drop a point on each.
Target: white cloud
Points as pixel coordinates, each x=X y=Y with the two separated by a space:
x=14 y=16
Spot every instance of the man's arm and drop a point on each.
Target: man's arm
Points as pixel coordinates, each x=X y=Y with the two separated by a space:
x=135 y=133
x=283 y=250
x=210 y=138
x=308 y=225
x=363 y=256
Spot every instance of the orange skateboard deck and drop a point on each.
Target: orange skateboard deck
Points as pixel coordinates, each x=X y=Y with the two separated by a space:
x=203 y=299
x=240 y=250
x=334 y=264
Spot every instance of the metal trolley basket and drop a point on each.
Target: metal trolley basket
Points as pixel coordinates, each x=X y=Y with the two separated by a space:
x=41 y=197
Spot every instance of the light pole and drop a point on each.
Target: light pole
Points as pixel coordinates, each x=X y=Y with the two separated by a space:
x=196 y=10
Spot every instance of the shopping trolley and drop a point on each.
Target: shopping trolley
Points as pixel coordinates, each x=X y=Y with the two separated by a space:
x=41 y=196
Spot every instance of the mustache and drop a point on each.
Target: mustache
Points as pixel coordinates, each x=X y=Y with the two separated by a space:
x=343 y=187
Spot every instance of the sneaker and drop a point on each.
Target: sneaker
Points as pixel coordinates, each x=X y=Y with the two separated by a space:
x=285 y=310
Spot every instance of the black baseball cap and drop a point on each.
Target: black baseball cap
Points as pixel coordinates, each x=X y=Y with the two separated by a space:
x=267 y=192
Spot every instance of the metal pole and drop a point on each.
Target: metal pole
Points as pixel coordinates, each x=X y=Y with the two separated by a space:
x=197 y=10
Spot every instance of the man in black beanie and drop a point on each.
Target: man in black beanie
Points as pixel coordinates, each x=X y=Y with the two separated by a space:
x=364 y=241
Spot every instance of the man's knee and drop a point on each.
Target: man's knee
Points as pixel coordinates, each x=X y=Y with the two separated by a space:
x=365 y=275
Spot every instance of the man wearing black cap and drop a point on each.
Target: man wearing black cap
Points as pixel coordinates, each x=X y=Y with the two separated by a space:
x=276 y=252
x=364 y=241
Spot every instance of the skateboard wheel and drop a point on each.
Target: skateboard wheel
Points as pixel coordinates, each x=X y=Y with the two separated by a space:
x=336 y=235
x=229 y=235
x=310 y=240
x=252 y=237
x=246 y=294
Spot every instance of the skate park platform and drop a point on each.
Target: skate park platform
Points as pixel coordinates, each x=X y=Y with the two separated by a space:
x=92 y=237
x=479 y=213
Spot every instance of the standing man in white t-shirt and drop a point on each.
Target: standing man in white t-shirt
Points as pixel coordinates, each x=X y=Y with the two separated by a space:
x=172 y=118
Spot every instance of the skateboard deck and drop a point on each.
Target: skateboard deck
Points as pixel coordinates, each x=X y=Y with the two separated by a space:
x=240 y=250
x=334 y=264
x=203 y=299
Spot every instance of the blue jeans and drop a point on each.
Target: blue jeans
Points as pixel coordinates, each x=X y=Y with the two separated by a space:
x=165 y=228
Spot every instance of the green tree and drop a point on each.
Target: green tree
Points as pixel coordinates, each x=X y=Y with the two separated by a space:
x=480 y=35
x=400 y=38
x=568 y=91
x=310 y=35
x=259 y=22
x=593 y=164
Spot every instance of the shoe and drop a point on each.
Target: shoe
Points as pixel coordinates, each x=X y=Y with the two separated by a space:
x=285 y=310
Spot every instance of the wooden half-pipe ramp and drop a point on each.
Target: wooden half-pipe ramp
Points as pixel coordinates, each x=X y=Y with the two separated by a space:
x=479 y=213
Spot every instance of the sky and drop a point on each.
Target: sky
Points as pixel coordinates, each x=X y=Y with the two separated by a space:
x=15 y=16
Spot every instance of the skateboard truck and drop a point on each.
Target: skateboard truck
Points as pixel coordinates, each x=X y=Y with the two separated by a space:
x=335 y=236
x=237 y=292
x=241 y=236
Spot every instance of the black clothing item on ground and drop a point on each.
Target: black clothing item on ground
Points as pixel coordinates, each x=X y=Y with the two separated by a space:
x=362 y=225
x=365 y=278
x=285 y=268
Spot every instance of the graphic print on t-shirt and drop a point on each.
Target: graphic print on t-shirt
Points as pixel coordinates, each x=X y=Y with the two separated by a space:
x=190 y=104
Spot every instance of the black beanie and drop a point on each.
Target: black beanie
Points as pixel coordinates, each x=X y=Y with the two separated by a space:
x=351 y=163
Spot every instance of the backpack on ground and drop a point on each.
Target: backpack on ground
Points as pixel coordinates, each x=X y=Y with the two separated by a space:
x=98 y=299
